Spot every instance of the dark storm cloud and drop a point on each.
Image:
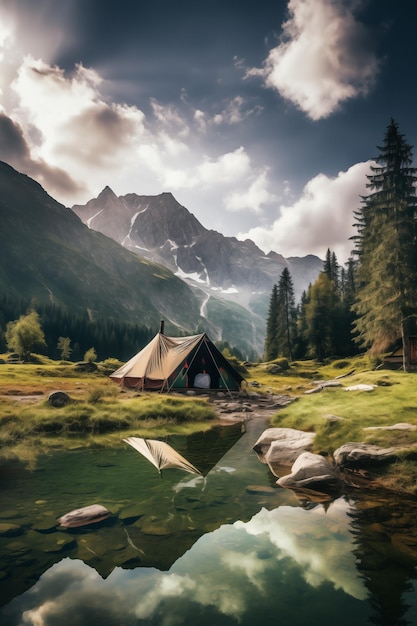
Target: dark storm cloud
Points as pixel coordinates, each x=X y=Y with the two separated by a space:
x=13 y=147
x=15 y=151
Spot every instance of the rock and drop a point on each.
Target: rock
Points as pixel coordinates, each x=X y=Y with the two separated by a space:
x=282 y=445
x=86 y=515
x=399 y=426
x=311 y=471
x=86 y=366
x=314 y=390
x=333 y=419
x=323 y=384
x=10 y=530
x=59 y=543
x=361 y=455
x=360 y=388
x=58 y=399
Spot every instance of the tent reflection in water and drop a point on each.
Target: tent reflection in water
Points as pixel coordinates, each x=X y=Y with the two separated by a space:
x=178 y=363
x=161 y=454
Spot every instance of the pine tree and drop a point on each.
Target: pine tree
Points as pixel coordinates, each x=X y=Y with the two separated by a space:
x=301 y=338
x=286 y=315
x=386 y=299
x=271 y=346
x=321 y=315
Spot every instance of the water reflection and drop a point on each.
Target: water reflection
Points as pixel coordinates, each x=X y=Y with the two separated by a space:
x=224 y=548
x=279 y=561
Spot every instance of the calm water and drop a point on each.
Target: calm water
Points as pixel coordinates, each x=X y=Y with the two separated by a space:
x=227 y=549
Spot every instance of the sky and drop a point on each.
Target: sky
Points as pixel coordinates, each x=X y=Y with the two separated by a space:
x=261 y=118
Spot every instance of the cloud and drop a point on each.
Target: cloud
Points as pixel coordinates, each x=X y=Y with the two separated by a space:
x=15 y=151
x=327 y=561
x=75 y=127
x=230 y=166
x=321 y=218
x=13 y=147
x=323 y=59
x=253 y=197
x=234 y=111
x=61 y=129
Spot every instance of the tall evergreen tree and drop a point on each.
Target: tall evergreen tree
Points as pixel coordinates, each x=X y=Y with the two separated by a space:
x=321 y=318
x=271 y=346
x=301 y=338
x=286 y=315
x=385 y=244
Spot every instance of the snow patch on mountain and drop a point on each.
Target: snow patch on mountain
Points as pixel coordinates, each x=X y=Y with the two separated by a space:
x=229 y=291
x=127 y=239
x=193 y=276
x=88 y=222
x=173 y=245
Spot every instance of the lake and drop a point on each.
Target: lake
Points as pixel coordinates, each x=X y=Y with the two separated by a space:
x=226 y=548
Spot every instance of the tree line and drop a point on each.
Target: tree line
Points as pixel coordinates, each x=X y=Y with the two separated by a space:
x=371 y=302
x=60 y=334
x=319 y=326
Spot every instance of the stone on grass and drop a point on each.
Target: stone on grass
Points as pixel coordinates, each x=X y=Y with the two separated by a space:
x=361 y=455
x=399 y=426
x=360 y=388
x=58 y=399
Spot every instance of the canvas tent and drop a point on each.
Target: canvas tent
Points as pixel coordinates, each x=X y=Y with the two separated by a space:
x=178 y=363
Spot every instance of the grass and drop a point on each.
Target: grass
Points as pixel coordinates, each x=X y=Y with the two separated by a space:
x=100 y=413
x=392 y=401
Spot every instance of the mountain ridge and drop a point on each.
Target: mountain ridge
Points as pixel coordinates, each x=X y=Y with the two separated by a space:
x=160 y=228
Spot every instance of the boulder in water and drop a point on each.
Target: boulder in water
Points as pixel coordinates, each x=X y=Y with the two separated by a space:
x=86 y=515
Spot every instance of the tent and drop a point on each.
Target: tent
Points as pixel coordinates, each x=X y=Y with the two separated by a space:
x=178 y=362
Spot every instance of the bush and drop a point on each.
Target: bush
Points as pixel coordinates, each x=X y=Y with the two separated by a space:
x=95 y=395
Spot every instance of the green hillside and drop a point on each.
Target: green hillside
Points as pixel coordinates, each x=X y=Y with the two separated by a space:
x=49 y=255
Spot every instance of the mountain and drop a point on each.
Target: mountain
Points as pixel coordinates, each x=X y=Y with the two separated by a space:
x=49 y=255
x=161 y=229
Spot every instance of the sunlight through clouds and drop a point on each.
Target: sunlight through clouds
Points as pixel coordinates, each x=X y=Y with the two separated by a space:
x=67 y=122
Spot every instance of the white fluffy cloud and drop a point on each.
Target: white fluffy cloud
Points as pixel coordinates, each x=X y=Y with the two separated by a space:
x=321 y=218
x=323 y=58
x=253 y=197
x=71 y=132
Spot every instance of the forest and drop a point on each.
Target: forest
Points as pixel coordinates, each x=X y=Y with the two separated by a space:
x=59 y=334
x=371 y=302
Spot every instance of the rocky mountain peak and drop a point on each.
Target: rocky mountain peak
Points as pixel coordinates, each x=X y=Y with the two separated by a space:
x=160 y=228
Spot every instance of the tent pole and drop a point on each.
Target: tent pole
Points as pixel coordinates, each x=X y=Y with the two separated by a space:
x=220 y=374
x=191 y=362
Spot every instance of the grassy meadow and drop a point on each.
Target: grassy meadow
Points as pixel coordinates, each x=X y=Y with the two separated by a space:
x=392 y=401
x=101 y=413
x=98 y=413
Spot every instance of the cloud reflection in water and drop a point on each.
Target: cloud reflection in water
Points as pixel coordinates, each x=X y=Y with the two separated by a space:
x=231 y=573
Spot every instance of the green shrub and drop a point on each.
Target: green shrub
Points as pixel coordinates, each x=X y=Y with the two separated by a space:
x=95 y=395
